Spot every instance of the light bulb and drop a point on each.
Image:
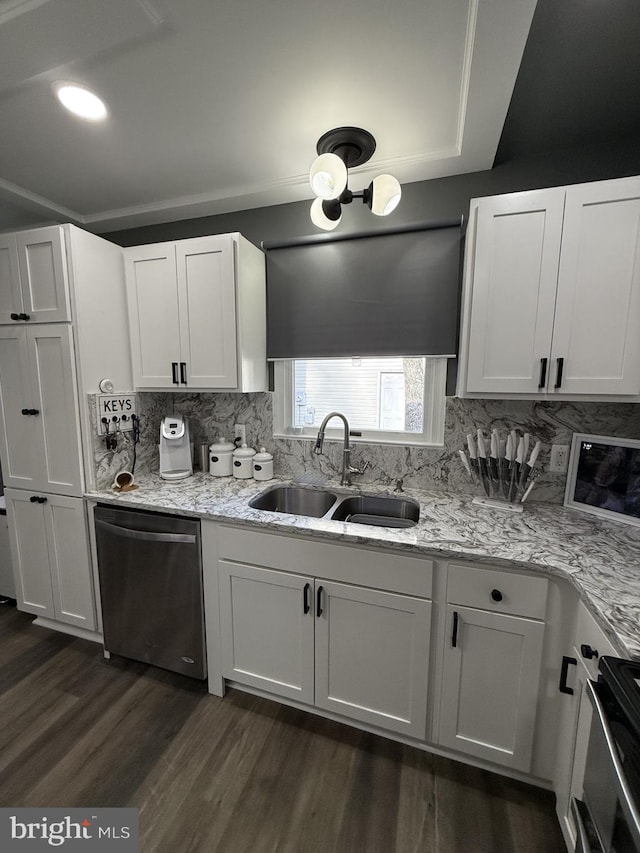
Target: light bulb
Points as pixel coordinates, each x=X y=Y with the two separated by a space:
x=80 y=101
x=319 y=216
x=328 y=176
x=385 y=194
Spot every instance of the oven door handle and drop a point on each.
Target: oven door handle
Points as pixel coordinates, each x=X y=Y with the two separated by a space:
x=584 y=844
x=629 y=808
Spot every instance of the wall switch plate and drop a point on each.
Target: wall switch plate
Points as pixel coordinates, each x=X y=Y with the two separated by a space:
x=559 y=458
x=115 y=411
x=240 y=431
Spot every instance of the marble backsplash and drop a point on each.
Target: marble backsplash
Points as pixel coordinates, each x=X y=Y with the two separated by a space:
x=437 y=468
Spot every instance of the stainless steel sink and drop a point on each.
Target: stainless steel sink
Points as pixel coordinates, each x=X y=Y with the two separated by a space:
x=380 y=510
x=295 y=500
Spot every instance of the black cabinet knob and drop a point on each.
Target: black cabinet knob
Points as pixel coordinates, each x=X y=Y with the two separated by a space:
x=15 y=316
x=34 y=499
x=496 y=595
x=24 y=316
x=587 y=652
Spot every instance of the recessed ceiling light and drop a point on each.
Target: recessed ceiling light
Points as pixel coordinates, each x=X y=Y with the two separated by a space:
x=80 y=101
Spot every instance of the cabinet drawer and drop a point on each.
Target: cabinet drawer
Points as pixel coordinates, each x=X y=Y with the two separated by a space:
x=499 y=591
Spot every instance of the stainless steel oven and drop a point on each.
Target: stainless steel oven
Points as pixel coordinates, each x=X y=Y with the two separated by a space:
x=608 y=816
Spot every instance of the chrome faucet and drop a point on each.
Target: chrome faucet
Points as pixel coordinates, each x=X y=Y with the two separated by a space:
x=347 y=468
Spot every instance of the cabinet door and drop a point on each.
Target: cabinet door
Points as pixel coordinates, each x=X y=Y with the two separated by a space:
x=70 y=562
x=50 y=552
x=52 y=369
x=152 y=296
x=20 y=434
x=206 y=287
x=597 y=324
x=30 y=553
x=10 y=293
x=517 y=247
x=43 y=275
x=490 y=685
x=372 y=656
x=266 y=628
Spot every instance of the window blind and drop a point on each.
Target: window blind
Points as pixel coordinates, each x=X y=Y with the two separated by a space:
x=376 y=294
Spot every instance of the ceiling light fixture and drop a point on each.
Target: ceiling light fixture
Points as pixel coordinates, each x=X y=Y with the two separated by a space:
x=80 y=101
x=339 y=150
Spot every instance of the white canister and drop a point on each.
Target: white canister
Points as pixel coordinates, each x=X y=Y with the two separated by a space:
x=263 y=465
x=243 y=462
x=220 y=458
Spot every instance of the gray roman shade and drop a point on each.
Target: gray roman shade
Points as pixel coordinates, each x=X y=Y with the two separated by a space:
x=382 y=294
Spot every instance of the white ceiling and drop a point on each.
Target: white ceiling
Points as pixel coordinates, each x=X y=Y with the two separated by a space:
x=216 y=105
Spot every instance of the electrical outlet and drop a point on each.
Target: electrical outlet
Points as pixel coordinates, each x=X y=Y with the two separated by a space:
x=240 y=431
x=559 y=458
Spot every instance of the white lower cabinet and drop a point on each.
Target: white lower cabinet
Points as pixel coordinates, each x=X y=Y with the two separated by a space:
x=52 y=569
x=491 y=664
x=358 y=652
x=590 y=644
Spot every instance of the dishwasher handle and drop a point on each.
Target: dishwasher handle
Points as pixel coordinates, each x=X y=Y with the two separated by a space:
x=144 y=535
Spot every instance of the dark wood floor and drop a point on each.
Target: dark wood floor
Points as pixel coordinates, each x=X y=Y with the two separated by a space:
x=239 y=775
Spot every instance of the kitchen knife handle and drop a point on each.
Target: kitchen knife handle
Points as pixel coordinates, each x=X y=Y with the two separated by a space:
x=566 y=662
x=174 y=372
x=183 y=372
x=559 y=369
x=319 y=601
x=305 y=598
x=454 y=634
x=543 y=373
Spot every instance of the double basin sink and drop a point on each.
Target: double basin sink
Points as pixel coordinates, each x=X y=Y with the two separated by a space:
x=379 y=510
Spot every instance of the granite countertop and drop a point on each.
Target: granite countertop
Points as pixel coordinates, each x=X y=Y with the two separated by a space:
x=600 y=558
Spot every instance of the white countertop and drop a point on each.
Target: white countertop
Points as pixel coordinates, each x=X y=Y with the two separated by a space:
x=600 y=558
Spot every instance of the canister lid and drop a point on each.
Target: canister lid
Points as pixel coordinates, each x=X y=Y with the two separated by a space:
x=263 y=456
x=222 y=446
x=244 y=452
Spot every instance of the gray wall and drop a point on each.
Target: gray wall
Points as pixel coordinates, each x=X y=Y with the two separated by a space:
x=423 y=201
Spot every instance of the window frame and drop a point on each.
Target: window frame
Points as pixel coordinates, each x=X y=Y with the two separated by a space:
x=432 y=435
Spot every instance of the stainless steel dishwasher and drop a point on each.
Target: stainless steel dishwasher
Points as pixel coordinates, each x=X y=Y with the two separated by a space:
x=150 y=570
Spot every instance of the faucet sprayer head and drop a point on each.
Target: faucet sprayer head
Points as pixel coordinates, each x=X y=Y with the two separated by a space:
x=319 y=442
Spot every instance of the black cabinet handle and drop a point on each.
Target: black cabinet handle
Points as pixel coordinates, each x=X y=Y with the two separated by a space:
x=454 y=635
x=496 y=595
x=305 y=598
x=37 y=499
x=543 y=373
x=15 y=316
x=30 y=411
x=42 y=500
x=33 y=499
x=319 y=601
x=24 y=316
x=25 y=411
x=564 y=669
x=559 y=369
x=587 y=652
x=174 y=372
x=183 y=372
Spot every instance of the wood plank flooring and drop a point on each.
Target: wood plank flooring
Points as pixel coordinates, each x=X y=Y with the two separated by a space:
x=239 y=775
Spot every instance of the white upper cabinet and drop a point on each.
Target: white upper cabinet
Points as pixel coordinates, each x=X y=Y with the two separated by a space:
x=552 y=282
x=33 y=277
x=597 y=322
x=197 y=314
x=39 y=426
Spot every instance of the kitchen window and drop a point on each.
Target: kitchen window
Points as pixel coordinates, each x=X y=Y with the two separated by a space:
x=387 y=400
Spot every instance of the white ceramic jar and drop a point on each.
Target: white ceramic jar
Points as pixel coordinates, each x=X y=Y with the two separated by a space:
x=221 y=458
x=243 y=462
x=263 y=465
